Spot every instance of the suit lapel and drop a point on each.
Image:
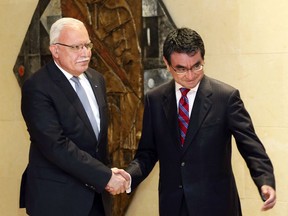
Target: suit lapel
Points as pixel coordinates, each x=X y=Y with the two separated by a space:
x=62 y=82
x=170 y=109
x=201 y=107
x=98 y=92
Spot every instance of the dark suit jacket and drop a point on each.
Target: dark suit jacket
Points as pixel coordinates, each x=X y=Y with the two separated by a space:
x=201 y=171
x=66 y=161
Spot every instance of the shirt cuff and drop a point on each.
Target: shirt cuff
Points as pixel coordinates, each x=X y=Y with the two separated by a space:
x=129 y=188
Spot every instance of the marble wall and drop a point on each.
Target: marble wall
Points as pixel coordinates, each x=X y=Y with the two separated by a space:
x=15 y=18
x=246 y=45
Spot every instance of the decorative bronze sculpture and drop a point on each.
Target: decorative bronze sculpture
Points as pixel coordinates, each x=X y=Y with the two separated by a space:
x=114 y=28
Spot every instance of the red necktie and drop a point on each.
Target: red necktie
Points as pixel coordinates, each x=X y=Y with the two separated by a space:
x=183 y=114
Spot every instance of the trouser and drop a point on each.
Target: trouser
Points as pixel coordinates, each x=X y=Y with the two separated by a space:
x=97 y=208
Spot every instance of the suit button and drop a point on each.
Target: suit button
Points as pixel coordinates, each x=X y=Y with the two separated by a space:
x=183 y=164
x=180 y=186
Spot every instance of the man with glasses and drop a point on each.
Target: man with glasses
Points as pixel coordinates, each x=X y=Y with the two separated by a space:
x=65 y=109
x=188 y=125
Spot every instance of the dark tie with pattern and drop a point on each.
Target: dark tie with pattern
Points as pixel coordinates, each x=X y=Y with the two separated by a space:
x=85 y=102
x=183 y=114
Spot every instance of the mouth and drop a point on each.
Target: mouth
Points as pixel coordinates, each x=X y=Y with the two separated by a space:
x=84 y=60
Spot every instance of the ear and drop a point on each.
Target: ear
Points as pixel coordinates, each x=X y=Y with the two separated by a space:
x=54 y=50
x=166 y=63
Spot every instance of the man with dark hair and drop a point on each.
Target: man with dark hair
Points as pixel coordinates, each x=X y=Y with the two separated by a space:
x=188 y=125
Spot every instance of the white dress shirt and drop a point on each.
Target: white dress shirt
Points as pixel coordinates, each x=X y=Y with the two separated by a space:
x=89 y=92
x=190 y=95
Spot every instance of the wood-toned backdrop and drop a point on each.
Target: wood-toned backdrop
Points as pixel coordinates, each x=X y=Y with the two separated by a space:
x=114 y=28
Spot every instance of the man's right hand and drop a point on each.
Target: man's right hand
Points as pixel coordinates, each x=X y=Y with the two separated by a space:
x=119 y=181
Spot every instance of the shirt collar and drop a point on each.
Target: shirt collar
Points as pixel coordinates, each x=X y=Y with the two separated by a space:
x=68 y=75
x=178 y=86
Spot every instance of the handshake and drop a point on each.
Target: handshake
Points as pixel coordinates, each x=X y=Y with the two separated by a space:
x=119 y=182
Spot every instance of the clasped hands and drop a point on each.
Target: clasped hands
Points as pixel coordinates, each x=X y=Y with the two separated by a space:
x=119 y=181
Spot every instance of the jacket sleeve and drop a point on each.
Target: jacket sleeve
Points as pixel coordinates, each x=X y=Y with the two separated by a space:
x=248 y=143
x=146 y=155
x=53 y=133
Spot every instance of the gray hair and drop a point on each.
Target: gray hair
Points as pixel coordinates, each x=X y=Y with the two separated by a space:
x=58 y=26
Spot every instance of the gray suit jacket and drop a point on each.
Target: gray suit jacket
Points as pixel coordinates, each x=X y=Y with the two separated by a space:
x=201 y=171
x=67 y=164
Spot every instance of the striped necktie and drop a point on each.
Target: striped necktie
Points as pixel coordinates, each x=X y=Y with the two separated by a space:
x=183 y=114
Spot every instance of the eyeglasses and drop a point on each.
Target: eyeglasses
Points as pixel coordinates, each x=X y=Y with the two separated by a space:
x=182 y=70
x=77 y=48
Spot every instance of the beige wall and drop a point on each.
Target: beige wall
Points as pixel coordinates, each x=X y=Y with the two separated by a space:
x=15 y=17
x=246 y=43
x=247 y=46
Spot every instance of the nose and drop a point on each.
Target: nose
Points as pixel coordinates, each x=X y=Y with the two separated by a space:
x=189 y=73
x=84 y=50
x=85 y=46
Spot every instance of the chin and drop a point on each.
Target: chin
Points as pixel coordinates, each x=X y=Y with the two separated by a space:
x=83 y=66
x=192 y=84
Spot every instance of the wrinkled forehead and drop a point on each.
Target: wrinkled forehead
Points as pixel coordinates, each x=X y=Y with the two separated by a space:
x=74 y=33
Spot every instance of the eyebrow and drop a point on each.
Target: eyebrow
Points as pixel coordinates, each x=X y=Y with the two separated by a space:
x=181 y=66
